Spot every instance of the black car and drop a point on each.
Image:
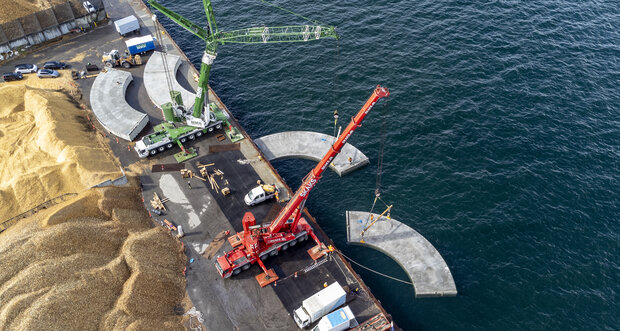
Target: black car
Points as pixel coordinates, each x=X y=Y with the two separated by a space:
x=9 y=76
x=54 y=65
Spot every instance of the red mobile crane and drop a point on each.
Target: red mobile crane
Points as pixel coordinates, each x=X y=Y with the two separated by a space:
x=257 y=242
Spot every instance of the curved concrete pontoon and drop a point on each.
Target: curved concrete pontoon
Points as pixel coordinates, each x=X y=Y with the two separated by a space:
x=310 y=145
x=426 y=268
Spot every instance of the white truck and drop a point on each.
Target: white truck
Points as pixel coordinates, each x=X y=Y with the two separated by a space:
x=341 y=319
x=319 y=304
x=126 y=25
x=261 y=193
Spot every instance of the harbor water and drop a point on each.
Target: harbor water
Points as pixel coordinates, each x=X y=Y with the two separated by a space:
x=501 y=143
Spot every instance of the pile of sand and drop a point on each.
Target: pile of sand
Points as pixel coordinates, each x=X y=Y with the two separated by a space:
x=49 y=148
x=13 y=9
x=93 y=262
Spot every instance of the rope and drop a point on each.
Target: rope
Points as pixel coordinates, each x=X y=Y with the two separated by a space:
x=377 y=272
x=384 y=111
x=164 y=58
x=381 y=148
x=291 y=12
x=335 y=89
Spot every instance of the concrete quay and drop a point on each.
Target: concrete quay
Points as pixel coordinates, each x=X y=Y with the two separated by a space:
x=312 y=146
x=426 y=268
x=107 y=100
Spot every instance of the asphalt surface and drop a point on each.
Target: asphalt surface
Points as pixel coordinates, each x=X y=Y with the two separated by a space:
x=238 y=303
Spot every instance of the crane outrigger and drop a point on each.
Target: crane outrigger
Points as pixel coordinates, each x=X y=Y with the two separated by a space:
x=257 y=242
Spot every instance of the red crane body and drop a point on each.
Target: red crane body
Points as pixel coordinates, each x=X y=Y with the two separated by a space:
x=257 y=242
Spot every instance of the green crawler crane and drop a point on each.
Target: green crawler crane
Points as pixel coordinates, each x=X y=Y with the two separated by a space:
x=207 y=116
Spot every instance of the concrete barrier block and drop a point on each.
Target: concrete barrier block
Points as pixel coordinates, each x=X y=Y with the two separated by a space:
x=63 y=13
x=3 y=38
x=13 y=30
x=46 y=18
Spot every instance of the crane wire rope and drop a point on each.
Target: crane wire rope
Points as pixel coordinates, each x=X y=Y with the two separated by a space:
x=292 y=12
x=384 y=112
x=335 y=89
x=164 y=59
x=376 y=272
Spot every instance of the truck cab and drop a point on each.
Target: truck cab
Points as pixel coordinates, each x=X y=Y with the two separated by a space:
x=260 y=194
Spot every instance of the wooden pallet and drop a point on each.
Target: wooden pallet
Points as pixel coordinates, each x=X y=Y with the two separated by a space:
x=158 y=203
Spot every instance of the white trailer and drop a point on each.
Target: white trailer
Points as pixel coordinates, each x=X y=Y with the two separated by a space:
x=341 y=319
x=126 y=25
x=319 y=304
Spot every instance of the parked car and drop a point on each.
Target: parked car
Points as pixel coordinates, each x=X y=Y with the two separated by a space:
x=47 y=73
x=89 y=7
x=54 y=65
x=26 y=68
x=9 y=76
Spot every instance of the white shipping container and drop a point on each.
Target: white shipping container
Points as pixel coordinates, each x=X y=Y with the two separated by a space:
x=126 y=25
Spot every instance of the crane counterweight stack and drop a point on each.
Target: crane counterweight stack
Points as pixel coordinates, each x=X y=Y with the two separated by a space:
x=257 y=242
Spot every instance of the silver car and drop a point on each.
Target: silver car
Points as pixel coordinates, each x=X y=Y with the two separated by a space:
x=47 y=73
x=26 y=68
x=89 y=7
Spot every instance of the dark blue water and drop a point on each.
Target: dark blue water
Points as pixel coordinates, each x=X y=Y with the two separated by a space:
x=502 y=149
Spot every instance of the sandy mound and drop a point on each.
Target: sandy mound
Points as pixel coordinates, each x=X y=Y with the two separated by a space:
x=49 y=147
x=91 y=263
x=12 y=9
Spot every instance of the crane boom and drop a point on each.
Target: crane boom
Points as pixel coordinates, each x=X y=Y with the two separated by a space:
x=188 y=25
x=256 y=35
x=259 y=241
x=313 y=177
x=261 y=35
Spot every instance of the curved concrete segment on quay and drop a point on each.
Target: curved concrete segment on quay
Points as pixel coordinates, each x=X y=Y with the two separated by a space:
x=310 y=145
x=426 y=268
x=107 y=99
x=155 y=80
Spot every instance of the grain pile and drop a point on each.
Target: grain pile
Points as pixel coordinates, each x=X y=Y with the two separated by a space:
x=93 y=262
x=13 y=9
x=48 y=146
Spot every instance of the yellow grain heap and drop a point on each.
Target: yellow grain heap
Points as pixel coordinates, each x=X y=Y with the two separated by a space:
x=13 y=9
x=48 y=146
x=93 y=262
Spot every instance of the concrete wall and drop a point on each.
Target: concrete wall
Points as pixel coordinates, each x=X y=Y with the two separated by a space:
x=44 y=25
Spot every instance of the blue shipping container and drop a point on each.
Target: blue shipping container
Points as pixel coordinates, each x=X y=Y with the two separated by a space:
x=140 y=44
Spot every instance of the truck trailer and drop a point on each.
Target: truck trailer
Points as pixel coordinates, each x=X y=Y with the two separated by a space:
x=319 y=304
x=126 y=25
x=140 y=45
